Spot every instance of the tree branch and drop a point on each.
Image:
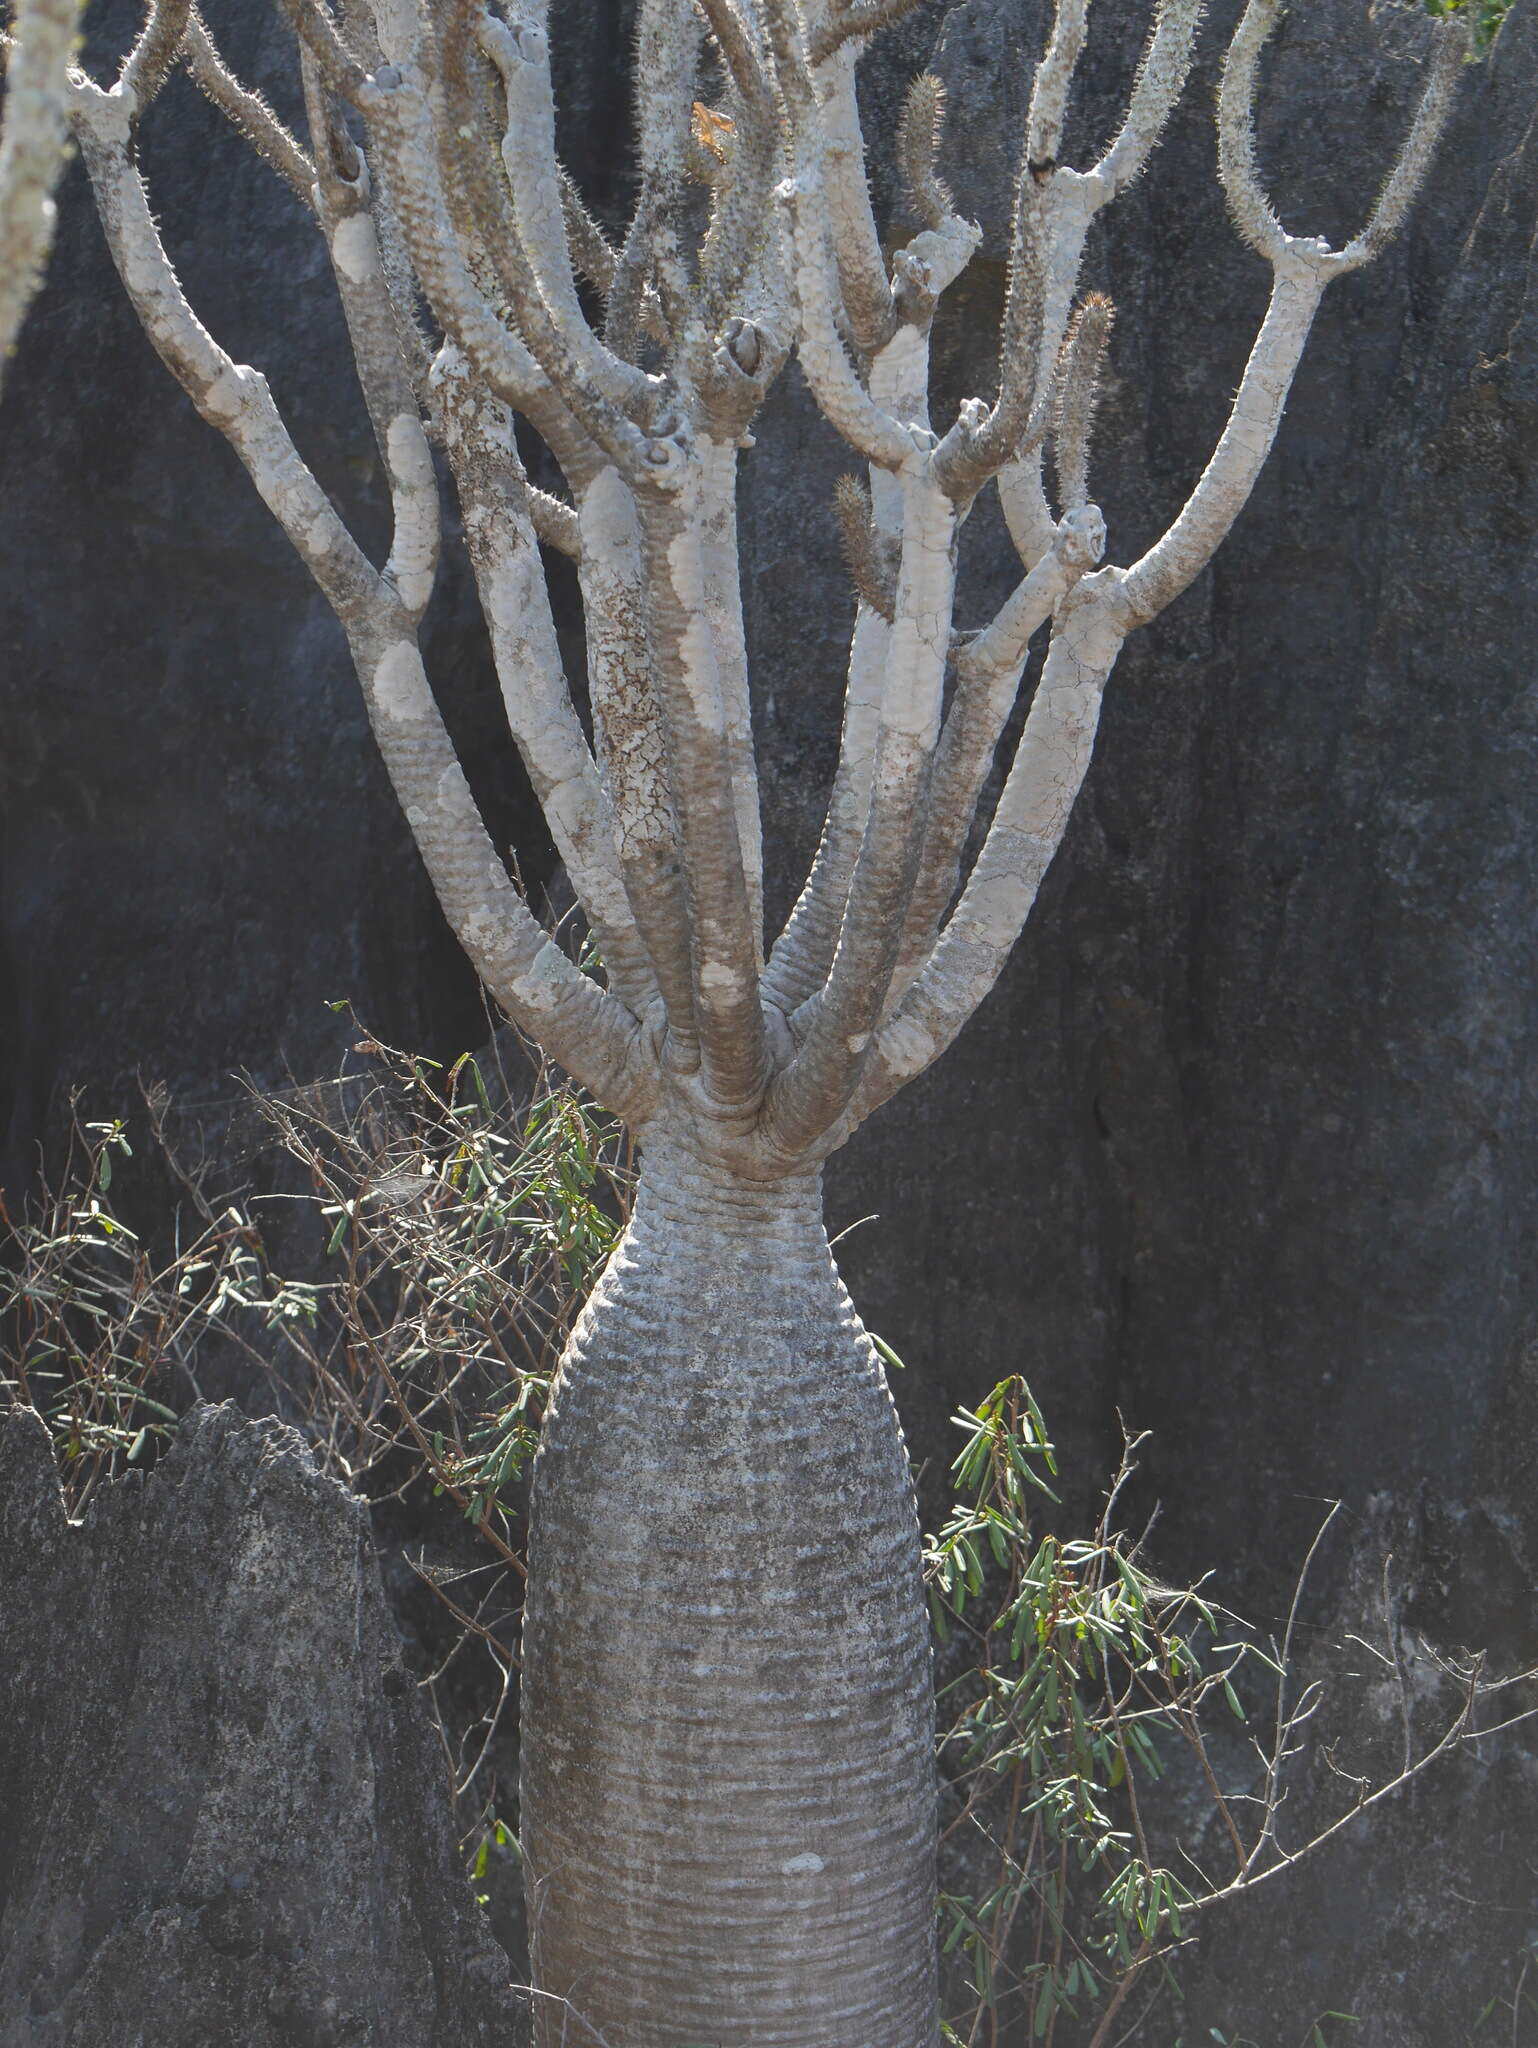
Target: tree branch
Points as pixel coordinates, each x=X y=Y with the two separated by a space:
x=835 y=1025
x=312 y=23
x=872 y=572
x=230 y=396
x=1302 y=268
x=918 y=143
x=668 y=39
x=803 y=953
x=342 y=193
x=686 y=677
x=1178 y=558
x=587 y=1031
x=632 y=752
x=1028 y=826
x=534 y=260
x=1052 y=84
x=1450 y=53
x=1078 y=395
x=153 y=57
x=855 y=21
x=742 y=227
x=988 y=673
x=504 y=551
x=590 y=1033
x=900 y=389
x=246 y=111
x=1161 y=78
x=723 y=591
x=515 y=223
x=844 y=401
x=32 y=143
x=869 y=313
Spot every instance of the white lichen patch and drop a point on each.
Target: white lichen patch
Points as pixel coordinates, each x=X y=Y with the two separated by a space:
x=700 y=676
x=900 y=376
x=354 y=249
x=320 y=533
x=716 y=978
x=608 y=518
x=411 y=461
x=696 y=643
x=480 y=930
x=539 y=986
x=227 y=394
x=907 y=1047
x=414 y=550
x=398 y=683
x=997 y=905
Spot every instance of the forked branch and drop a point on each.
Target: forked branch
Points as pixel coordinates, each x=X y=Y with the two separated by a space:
x=458 y=239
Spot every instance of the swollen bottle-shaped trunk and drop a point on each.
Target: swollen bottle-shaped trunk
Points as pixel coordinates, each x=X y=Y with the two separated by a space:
x=728 y=1780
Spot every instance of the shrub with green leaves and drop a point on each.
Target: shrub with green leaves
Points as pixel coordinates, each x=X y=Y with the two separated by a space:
x=1083 y=1667
x=468 y=1211
x=1095 y=1743
x=1105 y=1784
x=462 y=1215
x=1487 y=16
x=99 y=1331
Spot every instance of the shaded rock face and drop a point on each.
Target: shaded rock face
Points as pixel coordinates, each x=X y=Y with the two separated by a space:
x=1243 y=1146
x=222 y=1809
x=1415 y=1920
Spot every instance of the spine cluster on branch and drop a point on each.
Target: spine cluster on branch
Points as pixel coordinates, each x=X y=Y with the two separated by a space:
x=461 y=246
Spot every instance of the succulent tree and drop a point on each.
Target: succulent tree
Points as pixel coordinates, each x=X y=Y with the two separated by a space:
x=727 y=1779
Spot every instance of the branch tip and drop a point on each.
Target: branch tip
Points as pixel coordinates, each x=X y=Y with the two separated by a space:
x=919 y=130
x=871 y=571
x=1080 y=365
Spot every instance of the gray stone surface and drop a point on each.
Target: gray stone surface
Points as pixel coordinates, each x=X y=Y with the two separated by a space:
x=223 y=1816
x=1243 y=1146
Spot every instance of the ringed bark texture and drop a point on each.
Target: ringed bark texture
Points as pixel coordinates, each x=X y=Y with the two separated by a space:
x=728 y=1779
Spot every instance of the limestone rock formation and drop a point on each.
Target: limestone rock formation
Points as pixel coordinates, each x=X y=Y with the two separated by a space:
x=223 y=1816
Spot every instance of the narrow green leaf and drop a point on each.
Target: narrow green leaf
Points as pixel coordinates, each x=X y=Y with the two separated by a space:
x=886 y=1354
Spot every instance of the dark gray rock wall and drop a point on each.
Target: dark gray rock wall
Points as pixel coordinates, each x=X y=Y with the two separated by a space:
x=223 y=1811
x=1243 y=1146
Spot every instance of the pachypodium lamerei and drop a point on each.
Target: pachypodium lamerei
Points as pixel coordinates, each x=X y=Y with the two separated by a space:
x=727 y=1789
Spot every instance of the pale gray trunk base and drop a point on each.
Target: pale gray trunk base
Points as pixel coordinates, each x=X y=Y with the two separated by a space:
x=728 y=1780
